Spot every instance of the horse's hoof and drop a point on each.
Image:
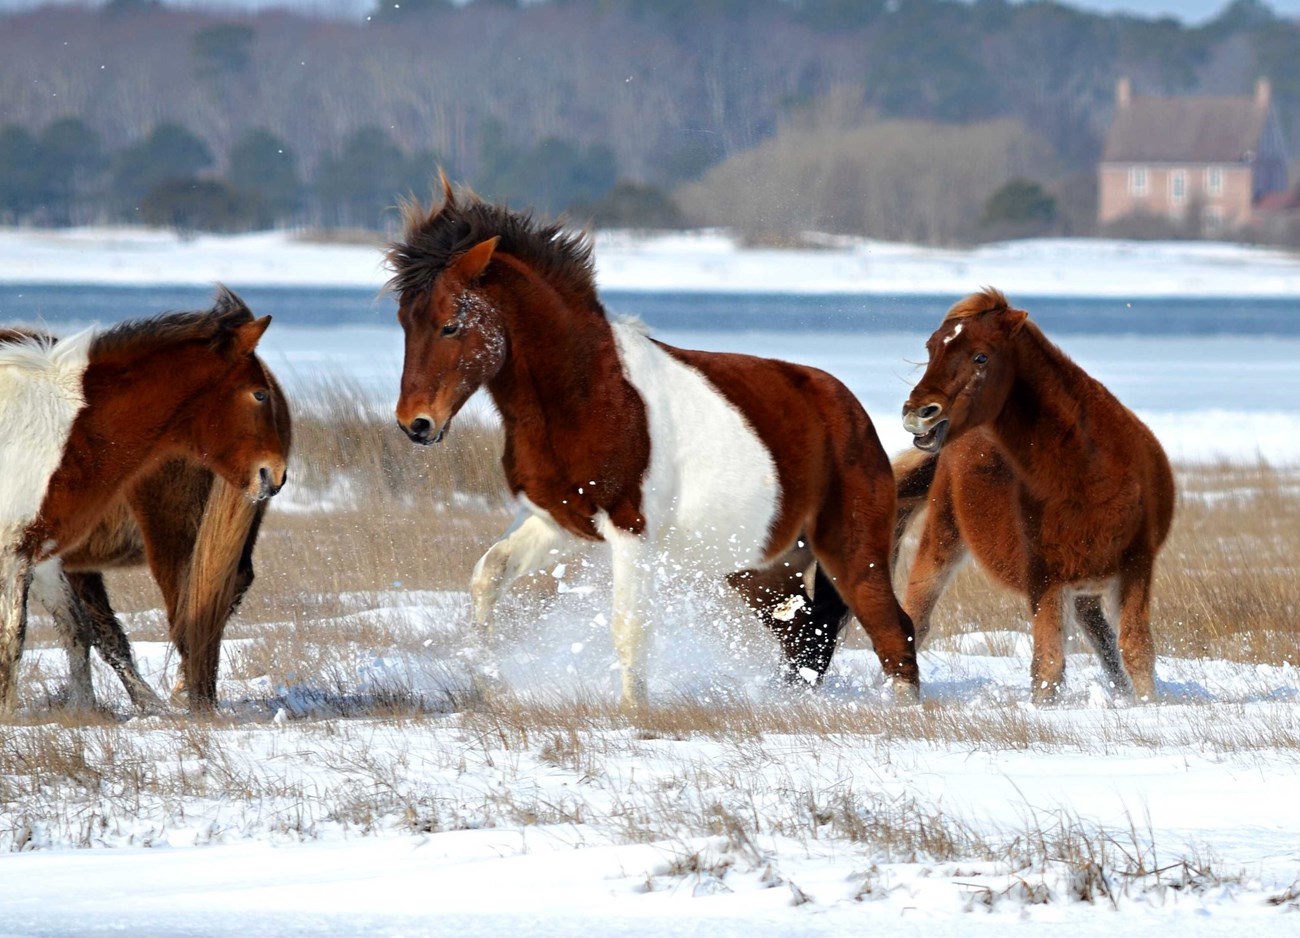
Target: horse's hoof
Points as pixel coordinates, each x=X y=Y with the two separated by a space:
x=906 y=693
x=1045 y=695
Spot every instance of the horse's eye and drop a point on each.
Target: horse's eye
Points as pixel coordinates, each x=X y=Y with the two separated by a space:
x=980 y=358
x=451 y=328
x=260 y=396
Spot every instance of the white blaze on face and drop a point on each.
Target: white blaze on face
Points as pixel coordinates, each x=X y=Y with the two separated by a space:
x=952 y=335
x=40 y=395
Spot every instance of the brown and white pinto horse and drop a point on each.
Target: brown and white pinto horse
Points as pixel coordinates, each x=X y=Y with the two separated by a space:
x=87 y=417
x=196 y=532
x=1058 y=490
x=718 y=462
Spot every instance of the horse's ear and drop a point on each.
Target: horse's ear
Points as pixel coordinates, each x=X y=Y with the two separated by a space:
x=1015 y=319
x=470 y=265
x=246 y=336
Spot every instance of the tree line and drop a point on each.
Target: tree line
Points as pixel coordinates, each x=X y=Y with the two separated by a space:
x=622 y=111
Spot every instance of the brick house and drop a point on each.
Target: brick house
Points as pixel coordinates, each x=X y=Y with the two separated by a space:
x=1206 y=162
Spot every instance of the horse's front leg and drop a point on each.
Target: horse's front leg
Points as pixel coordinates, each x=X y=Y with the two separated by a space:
x=15 y=579
x=529 y=544
x=633 y=581
x=50 y=585
x=1047 y=667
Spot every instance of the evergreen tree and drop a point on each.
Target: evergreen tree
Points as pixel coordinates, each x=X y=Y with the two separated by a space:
x=365 y=178
x=264 y=166
x=74 y=160
x=23 y=179
x=169 y=152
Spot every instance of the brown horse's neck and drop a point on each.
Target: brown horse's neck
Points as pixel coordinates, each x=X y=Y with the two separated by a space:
x=1040 y=425
x=133 y=419
x=562 y=360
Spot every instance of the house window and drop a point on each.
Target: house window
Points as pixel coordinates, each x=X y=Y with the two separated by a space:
x=1137 y=180
x=1178 y=186
x=1212 y=221
x=1214 y=181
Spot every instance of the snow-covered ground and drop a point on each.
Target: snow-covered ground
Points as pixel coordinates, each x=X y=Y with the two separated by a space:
x=704 y=261
x=795 y=816
x=310 y=810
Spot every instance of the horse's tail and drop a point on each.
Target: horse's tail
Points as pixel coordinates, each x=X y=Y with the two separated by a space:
x=211 y=585
x=913 y=476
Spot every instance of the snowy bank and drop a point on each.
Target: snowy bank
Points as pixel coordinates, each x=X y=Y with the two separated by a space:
x=707 y=261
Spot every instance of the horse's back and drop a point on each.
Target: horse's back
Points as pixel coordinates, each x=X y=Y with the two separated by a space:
x=806 y=423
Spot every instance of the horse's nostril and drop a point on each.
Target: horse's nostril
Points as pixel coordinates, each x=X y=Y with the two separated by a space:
x=420 y=427
x=928 y=411
x=265 y=475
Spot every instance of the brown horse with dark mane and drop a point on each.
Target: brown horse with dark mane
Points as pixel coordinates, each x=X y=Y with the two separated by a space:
x=92 y=416
x=1058 y=490
x=670 y=458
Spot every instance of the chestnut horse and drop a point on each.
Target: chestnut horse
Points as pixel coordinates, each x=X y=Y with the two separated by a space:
x=1058 y=490
x=713 y=461
x=89 y=416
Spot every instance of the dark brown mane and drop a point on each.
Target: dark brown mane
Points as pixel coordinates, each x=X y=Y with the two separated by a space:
x=206 y=326
x=988 y=300
x=432 y=239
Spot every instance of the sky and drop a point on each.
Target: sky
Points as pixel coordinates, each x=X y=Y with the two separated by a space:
x=1191 y=11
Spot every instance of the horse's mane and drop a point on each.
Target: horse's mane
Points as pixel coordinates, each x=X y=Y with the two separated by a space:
x=37 y=353
x=988 y=300
x=211 y=327
x=432 y=239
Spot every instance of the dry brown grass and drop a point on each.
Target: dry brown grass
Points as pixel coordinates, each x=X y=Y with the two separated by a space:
x=373 y=514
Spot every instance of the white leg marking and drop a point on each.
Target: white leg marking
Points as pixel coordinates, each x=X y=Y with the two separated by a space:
x=525 y=548
x=51 y=588
x=15 y=575
x=633 y=582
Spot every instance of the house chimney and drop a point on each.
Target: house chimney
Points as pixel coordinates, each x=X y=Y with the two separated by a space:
x=1123 y=92
x=1263 y=93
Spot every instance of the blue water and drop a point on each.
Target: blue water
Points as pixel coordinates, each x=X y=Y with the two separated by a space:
x=684 y=312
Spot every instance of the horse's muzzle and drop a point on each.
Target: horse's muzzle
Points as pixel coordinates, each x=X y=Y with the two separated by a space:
x=931 y=440
x=422 y=430
x=928 y=429
x=267 y=483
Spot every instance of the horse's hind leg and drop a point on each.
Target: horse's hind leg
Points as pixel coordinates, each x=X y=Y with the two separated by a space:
x=852 y=538
x=111 y=640
x=1092 y=622
x=51 y=587
x=15 y=579
x=1135 y=642
x=530 y=543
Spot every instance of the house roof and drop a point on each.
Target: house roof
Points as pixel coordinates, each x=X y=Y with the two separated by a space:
x=1212 y=129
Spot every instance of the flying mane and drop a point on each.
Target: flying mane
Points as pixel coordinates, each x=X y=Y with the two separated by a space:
x=207 y=326
x=432 y=239
x=988 y=300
